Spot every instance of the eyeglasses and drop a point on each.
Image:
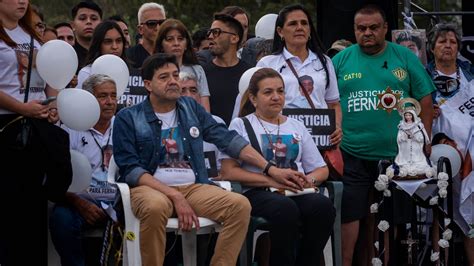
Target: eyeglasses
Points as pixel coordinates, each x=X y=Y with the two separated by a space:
x=40 y=25
x=152 y=23
x=216 y=32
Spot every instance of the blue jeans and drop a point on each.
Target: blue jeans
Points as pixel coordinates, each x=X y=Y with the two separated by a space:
x=66 y=226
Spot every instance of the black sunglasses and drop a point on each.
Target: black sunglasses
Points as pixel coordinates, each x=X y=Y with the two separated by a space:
x=216 y=32
x=152 y=23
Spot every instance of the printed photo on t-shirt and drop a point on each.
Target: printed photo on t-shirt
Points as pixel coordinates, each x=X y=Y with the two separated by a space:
x=100 y=189
x=307 y=84
x=36 y=82
x=172 y=152
x=282 y=149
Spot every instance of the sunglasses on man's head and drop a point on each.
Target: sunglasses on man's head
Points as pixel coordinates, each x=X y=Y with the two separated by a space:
x=216 y=32
x=152 y=23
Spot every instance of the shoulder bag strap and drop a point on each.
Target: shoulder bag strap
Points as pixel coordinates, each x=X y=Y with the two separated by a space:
x=30 y=65
x=308 y=98
x=251 y=134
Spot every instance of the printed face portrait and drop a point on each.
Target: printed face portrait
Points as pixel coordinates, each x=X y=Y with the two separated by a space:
x=414 y=40
x=108 y=152
x=412 y=46
x=23 y=61
x=308 y=84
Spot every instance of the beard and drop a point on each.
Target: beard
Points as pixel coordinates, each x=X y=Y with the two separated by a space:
x=215 y=51
x=219 y=50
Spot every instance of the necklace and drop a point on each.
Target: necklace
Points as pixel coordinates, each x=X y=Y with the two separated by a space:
x=168 y=122
x=269 y=136
x=102 y=149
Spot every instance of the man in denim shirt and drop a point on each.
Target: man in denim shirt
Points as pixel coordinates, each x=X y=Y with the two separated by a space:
x=158 y=146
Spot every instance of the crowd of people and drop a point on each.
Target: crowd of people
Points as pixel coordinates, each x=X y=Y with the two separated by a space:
x=193 y=107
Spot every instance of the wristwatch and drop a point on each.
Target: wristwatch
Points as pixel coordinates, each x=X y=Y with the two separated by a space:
x=267 y=167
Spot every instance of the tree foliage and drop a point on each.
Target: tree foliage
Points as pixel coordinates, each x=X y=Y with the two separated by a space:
x=194 y=14
x=197 y=14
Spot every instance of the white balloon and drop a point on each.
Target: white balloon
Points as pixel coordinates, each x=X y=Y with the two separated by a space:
x=245 y=79
x=56 y=62
x=447 y=151
x=81 y=172
x=78 y=109
x=265 y=27
x=114 y=67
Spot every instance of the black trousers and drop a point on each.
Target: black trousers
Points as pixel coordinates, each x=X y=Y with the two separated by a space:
x=308 y=218
x=29 y=177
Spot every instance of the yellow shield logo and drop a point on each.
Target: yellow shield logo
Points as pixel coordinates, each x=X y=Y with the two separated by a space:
x=399 y=73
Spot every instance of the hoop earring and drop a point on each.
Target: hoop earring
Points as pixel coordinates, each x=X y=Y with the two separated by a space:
x=309 y=37
x=282 y=38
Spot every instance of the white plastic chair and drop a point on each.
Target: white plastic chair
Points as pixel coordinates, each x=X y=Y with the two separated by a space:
x=131 y=249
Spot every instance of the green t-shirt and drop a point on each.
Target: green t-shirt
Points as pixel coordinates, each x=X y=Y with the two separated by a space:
x=371 y=133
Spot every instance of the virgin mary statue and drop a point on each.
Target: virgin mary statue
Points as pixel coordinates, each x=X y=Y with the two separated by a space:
x=411 y=139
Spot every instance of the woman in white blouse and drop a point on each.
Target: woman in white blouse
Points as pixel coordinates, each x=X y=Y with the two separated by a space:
x=286 y=143
x=297 y=43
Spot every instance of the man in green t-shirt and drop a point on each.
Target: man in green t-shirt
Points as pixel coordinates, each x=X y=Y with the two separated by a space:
x=364 y=72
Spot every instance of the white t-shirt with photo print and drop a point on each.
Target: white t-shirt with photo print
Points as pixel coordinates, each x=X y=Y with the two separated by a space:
x=313 y=68
x=90 y=143
x=174 y=168
x=14 y=68
x=293 y=146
